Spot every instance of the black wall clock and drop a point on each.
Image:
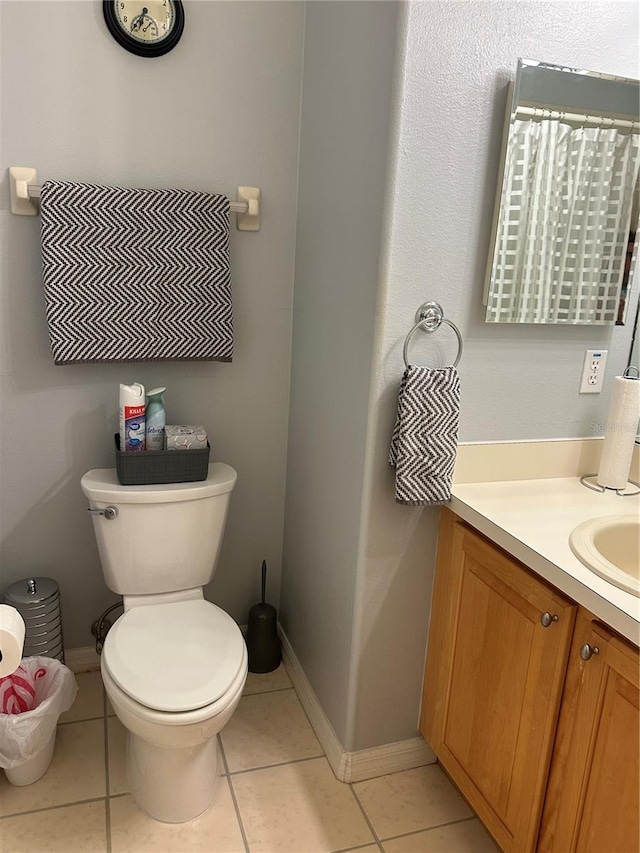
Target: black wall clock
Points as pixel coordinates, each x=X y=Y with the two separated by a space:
x=145 y=27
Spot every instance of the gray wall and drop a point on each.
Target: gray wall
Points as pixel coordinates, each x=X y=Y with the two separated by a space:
x=518 y=382
x=221 y=110
x=348 y=61
x=358 y=567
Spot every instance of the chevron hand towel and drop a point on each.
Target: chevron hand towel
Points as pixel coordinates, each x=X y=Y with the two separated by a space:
x=135 y=275
x=425 y=436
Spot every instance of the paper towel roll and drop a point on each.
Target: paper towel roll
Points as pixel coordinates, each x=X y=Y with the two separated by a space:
x=11 y=639
x=622 y=426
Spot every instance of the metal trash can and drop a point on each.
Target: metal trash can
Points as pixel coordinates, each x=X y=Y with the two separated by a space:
x=38 y=602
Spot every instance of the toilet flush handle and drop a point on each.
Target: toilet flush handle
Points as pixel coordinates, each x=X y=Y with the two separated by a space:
x=109 y=512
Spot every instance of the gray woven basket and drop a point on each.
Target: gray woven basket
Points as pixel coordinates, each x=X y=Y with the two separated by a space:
x=149 y=467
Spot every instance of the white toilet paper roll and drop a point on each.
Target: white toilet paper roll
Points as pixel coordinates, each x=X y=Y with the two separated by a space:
x=622 y=426
x=11 y=639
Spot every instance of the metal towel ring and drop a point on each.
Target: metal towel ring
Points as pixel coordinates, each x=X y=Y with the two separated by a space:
x=430 y=317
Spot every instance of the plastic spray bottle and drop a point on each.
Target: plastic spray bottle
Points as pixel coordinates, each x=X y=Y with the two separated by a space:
x=155 y=419
x=132 y=417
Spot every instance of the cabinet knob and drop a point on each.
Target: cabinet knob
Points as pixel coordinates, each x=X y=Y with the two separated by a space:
x=587 y=651
x=546 y=619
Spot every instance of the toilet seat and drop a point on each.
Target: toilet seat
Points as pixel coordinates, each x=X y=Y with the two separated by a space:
x=174 y=657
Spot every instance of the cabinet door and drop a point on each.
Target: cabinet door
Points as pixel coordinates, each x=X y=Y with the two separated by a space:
x=494 y=675
x=593 y=799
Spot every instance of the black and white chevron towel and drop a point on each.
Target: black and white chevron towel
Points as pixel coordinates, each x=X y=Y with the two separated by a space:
x=425 y=436
x=135 y=275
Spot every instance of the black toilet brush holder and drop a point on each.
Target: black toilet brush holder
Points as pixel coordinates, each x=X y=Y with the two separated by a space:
x=263 y=643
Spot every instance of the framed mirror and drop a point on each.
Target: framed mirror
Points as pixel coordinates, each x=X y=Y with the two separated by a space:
x=566 y=217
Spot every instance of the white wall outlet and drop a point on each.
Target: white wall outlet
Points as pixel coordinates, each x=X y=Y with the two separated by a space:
x=595 y=361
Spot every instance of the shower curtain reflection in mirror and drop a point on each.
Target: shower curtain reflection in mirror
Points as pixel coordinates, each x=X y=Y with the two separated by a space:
x=564 y=223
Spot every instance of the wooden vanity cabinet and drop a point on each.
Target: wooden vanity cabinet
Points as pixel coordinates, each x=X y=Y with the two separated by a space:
x=593 y=797
x=535 y=719
x=498 y=645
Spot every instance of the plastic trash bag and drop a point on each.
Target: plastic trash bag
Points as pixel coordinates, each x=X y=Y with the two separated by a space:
x=18 y=691
x=22 y=736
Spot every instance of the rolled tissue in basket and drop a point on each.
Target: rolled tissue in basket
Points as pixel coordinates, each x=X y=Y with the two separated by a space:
x=181 y=437
x=12 y=631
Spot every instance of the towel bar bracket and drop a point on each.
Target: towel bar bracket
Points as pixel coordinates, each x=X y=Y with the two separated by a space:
x=249 y=220
x=21 y=179
x=25 y=198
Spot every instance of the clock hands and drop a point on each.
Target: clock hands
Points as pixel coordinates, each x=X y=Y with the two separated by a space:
x=139 y=20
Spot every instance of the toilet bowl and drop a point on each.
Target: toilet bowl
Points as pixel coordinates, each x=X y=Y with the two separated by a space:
x=173 y=665
x=185 y=662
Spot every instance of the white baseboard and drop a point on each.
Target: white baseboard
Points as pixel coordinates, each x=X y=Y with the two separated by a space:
x=388 y=758
x=82 y=659
x=364 y=763
x=319 y=721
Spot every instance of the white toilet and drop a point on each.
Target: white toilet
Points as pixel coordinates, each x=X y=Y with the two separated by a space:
x=173 y=665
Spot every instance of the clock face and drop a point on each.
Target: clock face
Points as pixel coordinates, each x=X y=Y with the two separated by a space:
x=147 y=22
x=145 y=27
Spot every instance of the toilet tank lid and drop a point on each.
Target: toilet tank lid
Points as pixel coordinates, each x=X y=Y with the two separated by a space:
x=101 y=484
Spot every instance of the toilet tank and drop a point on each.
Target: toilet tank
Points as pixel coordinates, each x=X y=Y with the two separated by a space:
x=163 y=538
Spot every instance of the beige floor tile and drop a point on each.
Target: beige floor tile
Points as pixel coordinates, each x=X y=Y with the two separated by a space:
x=110 y=711
x=76 y=773
x=410 y=801
x=65 y=830
x=117 y=752
x=268 y=728
x=216 y=831
x=89 y=702
x=264 y=682
x=299 y=808
x=469 y=836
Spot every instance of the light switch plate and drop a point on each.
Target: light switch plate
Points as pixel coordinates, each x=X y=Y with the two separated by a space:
x=595 y=361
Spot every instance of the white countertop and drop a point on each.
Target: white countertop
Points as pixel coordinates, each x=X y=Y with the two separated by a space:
x=532 y=520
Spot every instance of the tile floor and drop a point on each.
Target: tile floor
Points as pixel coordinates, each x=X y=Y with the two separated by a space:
x=278 y=793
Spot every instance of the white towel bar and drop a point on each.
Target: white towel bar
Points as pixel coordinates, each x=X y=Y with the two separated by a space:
x=25 y=193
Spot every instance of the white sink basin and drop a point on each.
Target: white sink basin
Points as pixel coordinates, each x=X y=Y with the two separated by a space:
x=610 y=547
